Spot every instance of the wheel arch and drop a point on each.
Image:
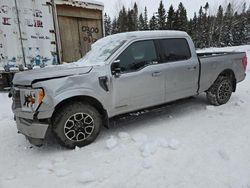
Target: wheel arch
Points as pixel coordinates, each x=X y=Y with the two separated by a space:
x=84 y=98
x=230 y=73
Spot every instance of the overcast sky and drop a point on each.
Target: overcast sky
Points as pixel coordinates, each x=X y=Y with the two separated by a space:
x=112 y=7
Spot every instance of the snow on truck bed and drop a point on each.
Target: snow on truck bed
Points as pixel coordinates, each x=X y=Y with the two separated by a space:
x=184 y=144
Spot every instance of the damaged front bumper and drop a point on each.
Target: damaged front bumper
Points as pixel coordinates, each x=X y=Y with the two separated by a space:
x=33 y=125
x=31 y=128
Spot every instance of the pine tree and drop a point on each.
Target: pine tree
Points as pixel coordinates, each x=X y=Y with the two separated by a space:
x=248 y=26
x=236 y=26
x=226 y=28
x=190 y=27
x=153 y=23
x=206 y=27
x=180 y=19
x=141 y=22
x=194 y=31
x=107 y=25
x=227 y=36
x=123 y=20
x=216 y=39
x=114 y=26
x=130 y=20
x=206 y=7
x=145 y=27
x=135 y=17
x=170 y=18
x=161 y=17
x=239 y=29
x=200 y=28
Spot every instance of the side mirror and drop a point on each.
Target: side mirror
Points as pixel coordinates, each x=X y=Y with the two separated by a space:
x=116 y=69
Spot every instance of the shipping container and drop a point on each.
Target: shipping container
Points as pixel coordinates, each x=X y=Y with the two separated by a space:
x=37 y=33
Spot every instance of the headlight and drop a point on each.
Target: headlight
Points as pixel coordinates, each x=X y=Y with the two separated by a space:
x=31 y=99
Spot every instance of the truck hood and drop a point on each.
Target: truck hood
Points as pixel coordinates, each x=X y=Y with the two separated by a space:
x=27 y=78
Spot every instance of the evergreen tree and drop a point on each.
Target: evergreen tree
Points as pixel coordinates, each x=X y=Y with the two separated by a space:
x=206 y=27
x=170 y=18
x=161 y=17
x=248 y=26
x=206 y=7
x=130 y=20
x=180 y=22
x=239 y=30
x=194 y=30
x=153 y=23
x=227 y=36
x=190 y=27
x=114 y=26
x=145 y=27
x=135 y=17
x=224 y=29
x=216 y=40
x=107 y=25
x=200 y=27
x=141 y=22
x=123 y=20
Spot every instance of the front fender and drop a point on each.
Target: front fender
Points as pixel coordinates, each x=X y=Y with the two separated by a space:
x=58 y=90
x=75 y=93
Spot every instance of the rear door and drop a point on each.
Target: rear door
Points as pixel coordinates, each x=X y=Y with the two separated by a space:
x=181 y=70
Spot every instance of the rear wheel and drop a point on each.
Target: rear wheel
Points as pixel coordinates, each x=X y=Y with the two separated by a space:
x=220 y=92
x=77 y=124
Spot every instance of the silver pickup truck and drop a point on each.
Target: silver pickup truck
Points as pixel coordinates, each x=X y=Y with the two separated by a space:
x=122 y=73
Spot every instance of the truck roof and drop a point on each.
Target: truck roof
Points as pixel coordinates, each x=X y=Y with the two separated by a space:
x=149 y=34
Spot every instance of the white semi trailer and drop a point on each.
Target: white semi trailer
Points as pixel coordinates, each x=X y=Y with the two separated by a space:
x=36 y=33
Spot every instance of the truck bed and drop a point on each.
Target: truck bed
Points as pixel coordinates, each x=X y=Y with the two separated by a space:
x=214 y=63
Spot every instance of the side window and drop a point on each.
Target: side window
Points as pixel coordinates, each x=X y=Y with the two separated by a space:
x=174 y=50
x=137 y=56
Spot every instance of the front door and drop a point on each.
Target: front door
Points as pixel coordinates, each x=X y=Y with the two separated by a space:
x=141 y=83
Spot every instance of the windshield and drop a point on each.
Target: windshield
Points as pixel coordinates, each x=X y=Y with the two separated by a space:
x=102 y=50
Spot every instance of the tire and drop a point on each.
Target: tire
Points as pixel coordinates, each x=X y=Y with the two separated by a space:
x=220 y=92
x=77 y=124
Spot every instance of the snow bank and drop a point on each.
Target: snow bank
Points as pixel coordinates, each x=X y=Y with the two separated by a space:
x=61 y=172
x=147 y=164
x=111 y=142
x=46 y=165
x=139 y=138
x=124 y=136
x=86 y=177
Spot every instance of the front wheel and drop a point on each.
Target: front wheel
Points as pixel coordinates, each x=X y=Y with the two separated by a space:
x=77 y=124
x=220 y=92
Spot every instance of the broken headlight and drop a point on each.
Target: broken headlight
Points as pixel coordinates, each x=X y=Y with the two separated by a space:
x=31 y=99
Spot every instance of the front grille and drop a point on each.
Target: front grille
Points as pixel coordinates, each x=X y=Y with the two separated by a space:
x=16 y=99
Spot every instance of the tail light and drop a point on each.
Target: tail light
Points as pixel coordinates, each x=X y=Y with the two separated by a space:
x=244 y=62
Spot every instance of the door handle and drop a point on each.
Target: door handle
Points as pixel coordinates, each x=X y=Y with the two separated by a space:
x=192 y=68
x=156 y=74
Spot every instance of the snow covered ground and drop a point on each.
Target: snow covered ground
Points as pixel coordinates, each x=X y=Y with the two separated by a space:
x=184 y=144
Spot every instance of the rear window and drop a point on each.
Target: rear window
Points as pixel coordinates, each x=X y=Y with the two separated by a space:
x=174 y=50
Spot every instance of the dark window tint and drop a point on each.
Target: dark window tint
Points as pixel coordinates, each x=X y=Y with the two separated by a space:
x=174 y=50
x=137 y=56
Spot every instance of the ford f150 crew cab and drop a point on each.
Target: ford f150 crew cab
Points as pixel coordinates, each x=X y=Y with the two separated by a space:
x=120 y=74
